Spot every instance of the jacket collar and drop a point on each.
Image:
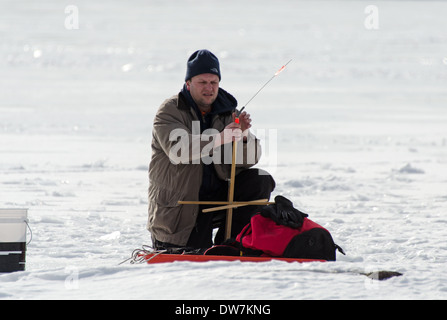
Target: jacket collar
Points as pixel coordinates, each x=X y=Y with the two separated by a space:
x=181 y=102
x=225 y=102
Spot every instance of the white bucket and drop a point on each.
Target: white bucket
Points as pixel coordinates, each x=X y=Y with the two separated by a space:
x=13 y=224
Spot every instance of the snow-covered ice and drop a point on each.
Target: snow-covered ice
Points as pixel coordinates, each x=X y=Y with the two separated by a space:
x=359 y=115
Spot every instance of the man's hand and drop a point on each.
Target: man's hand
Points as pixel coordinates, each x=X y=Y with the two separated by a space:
x=235 y=131
x=232 y=132
x=244 y=121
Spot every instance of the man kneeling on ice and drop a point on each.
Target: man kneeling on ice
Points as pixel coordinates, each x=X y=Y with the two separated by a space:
x=191 y=160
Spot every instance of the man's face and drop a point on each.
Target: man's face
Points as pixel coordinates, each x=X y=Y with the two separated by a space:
x=204 y=88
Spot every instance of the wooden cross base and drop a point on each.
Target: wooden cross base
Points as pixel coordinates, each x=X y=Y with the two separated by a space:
x=230 y=204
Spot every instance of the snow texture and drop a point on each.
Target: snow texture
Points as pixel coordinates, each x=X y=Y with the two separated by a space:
x=359 y=117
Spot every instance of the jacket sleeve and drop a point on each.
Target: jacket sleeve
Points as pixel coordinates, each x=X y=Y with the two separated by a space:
x=251 y=152
x=179 y=136
x=248 y=154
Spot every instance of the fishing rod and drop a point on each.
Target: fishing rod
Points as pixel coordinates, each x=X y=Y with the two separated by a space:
x=276 y=73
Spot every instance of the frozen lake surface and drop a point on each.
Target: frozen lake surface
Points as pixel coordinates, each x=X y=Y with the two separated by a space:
x=355 y=126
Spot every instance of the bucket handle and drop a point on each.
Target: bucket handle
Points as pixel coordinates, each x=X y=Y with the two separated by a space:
x=30 y=231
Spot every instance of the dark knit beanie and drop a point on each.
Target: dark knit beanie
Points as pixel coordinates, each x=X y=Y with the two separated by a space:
x=202 y=61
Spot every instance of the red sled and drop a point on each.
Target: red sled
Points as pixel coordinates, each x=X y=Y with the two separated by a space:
x=166 y=258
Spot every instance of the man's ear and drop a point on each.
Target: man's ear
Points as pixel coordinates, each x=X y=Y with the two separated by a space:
x=188 y=84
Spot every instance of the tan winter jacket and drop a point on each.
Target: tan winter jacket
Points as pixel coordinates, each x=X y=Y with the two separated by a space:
x=171 y=182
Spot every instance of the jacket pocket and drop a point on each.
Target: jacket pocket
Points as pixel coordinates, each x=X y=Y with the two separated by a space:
x=164 y=197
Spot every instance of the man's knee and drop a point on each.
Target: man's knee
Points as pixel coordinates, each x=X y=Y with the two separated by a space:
x=255 y=181
x=266 y=180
